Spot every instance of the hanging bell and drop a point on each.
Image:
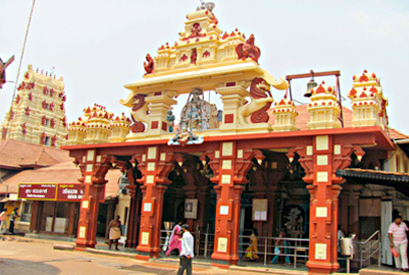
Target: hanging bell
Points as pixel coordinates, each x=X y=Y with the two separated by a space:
x=311 y=85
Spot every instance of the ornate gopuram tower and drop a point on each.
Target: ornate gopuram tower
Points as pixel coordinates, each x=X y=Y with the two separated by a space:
x=209 y=162
x=37 y=114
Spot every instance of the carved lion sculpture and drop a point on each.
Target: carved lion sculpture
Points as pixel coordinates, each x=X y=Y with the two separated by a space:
x=139 y=114
x=260 y=103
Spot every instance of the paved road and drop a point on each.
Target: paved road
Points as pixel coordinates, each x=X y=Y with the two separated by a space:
x=20 y=256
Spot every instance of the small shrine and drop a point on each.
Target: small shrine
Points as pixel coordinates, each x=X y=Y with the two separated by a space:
x=98 y=126
x=368 y=101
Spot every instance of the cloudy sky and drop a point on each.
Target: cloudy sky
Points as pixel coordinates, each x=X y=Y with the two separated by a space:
x=98 y=46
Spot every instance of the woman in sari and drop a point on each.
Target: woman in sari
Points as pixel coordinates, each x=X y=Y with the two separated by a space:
x=252 y=250
x=175 y=242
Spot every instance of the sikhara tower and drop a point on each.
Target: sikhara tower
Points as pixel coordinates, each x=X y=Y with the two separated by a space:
x=37 y=114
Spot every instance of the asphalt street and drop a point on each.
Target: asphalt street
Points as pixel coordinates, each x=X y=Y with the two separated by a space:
x=22 y=256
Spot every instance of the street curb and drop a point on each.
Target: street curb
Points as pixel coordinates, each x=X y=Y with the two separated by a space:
x=267 y=270
x=110 y=253
x=177 y=261
x=63 y=247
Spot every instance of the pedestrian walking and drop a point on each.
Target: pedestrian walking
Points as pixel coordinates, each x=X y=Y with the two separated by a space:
x=13 y=218
x=252 y=250
x=399 y=242
x=175 y=242
x=114 y=229
x=3 y=225
x=186 y=255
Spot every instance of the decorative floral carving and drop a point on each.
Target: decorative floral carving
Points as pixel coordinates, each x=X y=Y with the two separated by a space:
x=3 y=132
x=193 y=57
x=183 y=58
x=206 y=54
x=53 y=140
x=42 y=139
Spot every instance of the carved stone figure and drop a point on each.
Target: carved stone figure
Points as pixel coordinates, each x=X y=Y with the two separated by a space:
x=214 y=121
x=171 y=120
x=149 y=65
x=248 y=50
x=139 y=114
x=197 y=112
x=260 y=103
x=195 y=31
x=184 y=136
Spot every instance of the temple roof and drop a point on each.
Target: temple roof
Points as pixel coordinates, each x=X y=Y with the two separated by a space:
x=64 y=172
x=17 y=155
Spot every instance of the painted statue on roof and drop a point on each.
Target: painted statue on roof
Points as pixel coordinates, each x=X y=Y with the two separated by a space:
x=3 y=66
x=197 y=112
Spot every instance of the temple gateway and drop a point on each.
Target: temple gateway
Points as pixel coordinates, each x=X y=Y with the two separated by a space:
x=256 y=161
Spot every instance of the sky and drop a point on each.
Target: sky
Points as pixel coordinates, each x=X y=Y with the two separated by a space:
x=98 y=46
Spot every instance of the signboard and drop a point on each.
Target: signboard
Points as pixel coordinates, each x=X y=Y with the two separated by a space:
x=191 y=209
x=37 y=191
x=69 y=192
x=260 y=207
x=50 y=191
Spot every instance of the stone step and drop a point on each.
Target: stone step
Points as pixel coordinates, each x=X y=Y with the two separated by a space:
x=380 y=270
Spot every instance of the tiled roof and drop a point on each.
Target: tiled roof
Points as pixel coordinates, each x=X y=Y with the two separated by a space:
x=304 y=117
x=18 y=154
x=377 y=172
x=395 y=134
x=65 y=172
x=399 y=181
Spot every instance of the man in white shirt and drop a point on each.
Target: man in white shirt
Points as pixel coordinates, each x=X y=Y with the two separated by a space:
x=186 y=255
x=399 y=241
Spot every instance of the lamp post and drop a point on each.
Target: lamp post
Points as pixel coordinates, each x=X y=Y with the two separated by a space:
x=168 y=226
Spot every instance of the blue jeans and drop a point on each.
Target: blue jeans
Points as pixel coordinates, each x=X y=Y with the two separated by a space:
x=286 y=259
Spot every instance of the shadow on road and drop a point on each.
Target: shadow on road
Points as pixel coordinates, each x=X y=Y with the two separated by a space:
x=11 y=266
x=150 y=270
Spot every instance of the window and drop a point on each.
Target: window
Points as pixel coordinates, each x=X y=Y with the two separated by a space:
x=46 y=122
x=47 y=141
x=26 y=212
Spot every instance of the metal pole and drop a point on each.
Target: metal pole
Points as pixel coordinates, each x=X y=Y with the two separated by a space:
x=361 y=259
x=206 y=240
x=379 y=249
x=198 y=241
x=265 y=252
x=289 y=89
x=340 y=101
x=295 y=254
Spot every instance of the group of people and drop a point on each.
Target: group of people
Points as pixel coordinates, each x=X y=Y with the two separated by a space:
x=182 y=240
x=3 y=223
x=279 y=243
